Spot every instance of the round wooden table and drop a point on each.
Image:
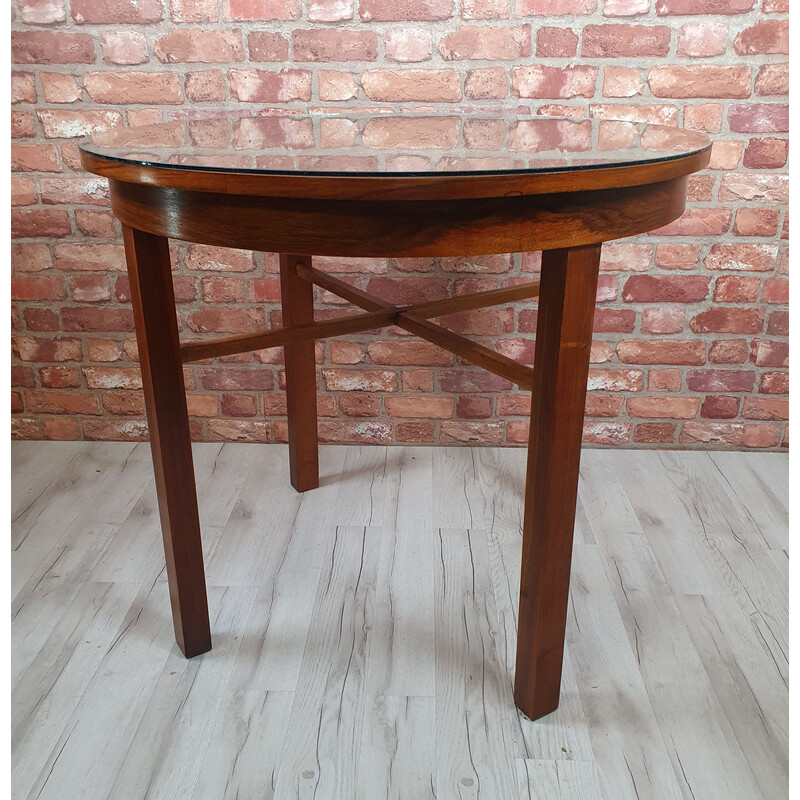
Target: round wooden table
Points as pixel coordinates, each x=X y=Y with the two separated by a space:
x=390 y=185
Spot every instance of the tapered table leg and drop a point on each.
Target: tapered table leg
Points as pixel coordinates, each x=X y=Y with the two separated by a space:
x=162 y=376
x=561 y=367
x=297 y=302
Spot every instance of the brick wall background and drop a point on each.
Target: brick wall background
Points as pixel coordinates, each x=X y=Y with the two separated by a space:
x=691 y=342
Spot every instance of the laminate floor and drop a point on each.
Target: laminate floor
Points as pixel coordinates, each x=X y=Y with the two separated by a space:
x=364 y=632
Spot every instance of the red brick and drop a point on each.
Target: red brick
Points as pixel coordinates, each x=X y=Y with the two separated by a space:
x=23 y=125
x=23 y=87
x=122 y=404
x=472 y=407
x=51 y=47
x=724 y=155
x=358 y=404
x=405 y=291
x=667 y=289
x=698 y=222
x=471 y=432
x=367 y=432
x=749 y=187
x=654 y=433
x=42 y=12
x=663 y=407
x=556 y=43
x=776 y=290
x=222 y=289
x=772 y=79
x=96 y=319
x=265 y=46
x=778 y=323
x=59 y=377
x=469 y=381
x=400 y=85
x=762 y=436
x=255 y=10
x=90 y=288
x=335 y=85
x=611 y=320
x=706 y=117
x=660 y=352
x=238 y=405
x=362 y=380
x=37 y=287
x=249 y=380
x=724 y=433
x=418 y=134
x=105 y=350
x=407 y=45
x=656 y=114
x=774 y=383
x=486 y=84
x=767 y=153
x=87 y=191
x=219 y=259
x=704 y=6
x=490 y=44
x=622 y=82
x=420 y=407
x=60 y=429
x=64 y=124
x=412 y=10
x=40 y=319
x=408 y=353
x=193 y=10
x=23 y=191
x=759 y=118
x=58 y=88
x=116 y=12
x=701 y=80
x=720 y=380
x=113 y=377
x=124 y=47
x=34 y=158
x=728 y=351
x=662 y=320
x=128 y=430
x=743 y=257
x=767 y=36
x=664 y=380
x=756 y=222
x=45 y=402
x=775 y=6
x=198 y=46
x=49 y=222
x=553 y=82
x=30 y=257
x=328 y=44
x=702 y=39
x=135 y=87
x=227 y=320
x=769 y=408
x=35 y=348
x=677 y=256
x=618 y=41
x=554 y=8
x=22 y=376
x=415 y=431
x=728 y=320
x=736 y=289
x=615 y=380
x=606 y=432
x=720 y=407
x=70 y=256
x=767 y=353
x=701 y=187
x=417 y=380
x=263 y=86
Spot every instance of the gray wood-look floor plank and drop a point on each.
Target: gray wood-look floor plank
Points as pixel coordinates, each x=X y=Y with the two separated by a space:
x=364 y=632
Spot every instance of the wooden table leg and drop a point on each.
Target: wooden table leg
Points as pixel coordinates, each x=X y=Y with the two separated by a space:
x=162 y=375
x=297 y=302
x=561 y=367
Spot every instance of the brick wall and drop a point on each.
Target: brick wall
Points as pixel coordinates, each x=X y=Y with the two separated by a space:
x=691 y=325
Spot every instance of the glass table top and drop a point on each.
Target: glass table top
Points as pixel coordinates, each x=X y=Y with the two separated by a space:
x=373 y=143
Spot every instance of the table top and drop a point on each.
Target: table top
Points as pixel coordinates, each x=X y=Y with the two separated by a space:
x=515 y=152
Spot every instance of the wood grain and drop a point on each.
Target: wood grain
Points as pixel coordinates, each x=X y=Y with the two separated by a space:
x=153 y=301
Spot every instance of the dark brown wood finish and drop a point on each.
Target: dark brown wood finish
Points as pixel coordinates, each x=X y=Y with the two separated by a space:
x=567 y=215
x=297 y=302
x=560 y=373
x=153 y=301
